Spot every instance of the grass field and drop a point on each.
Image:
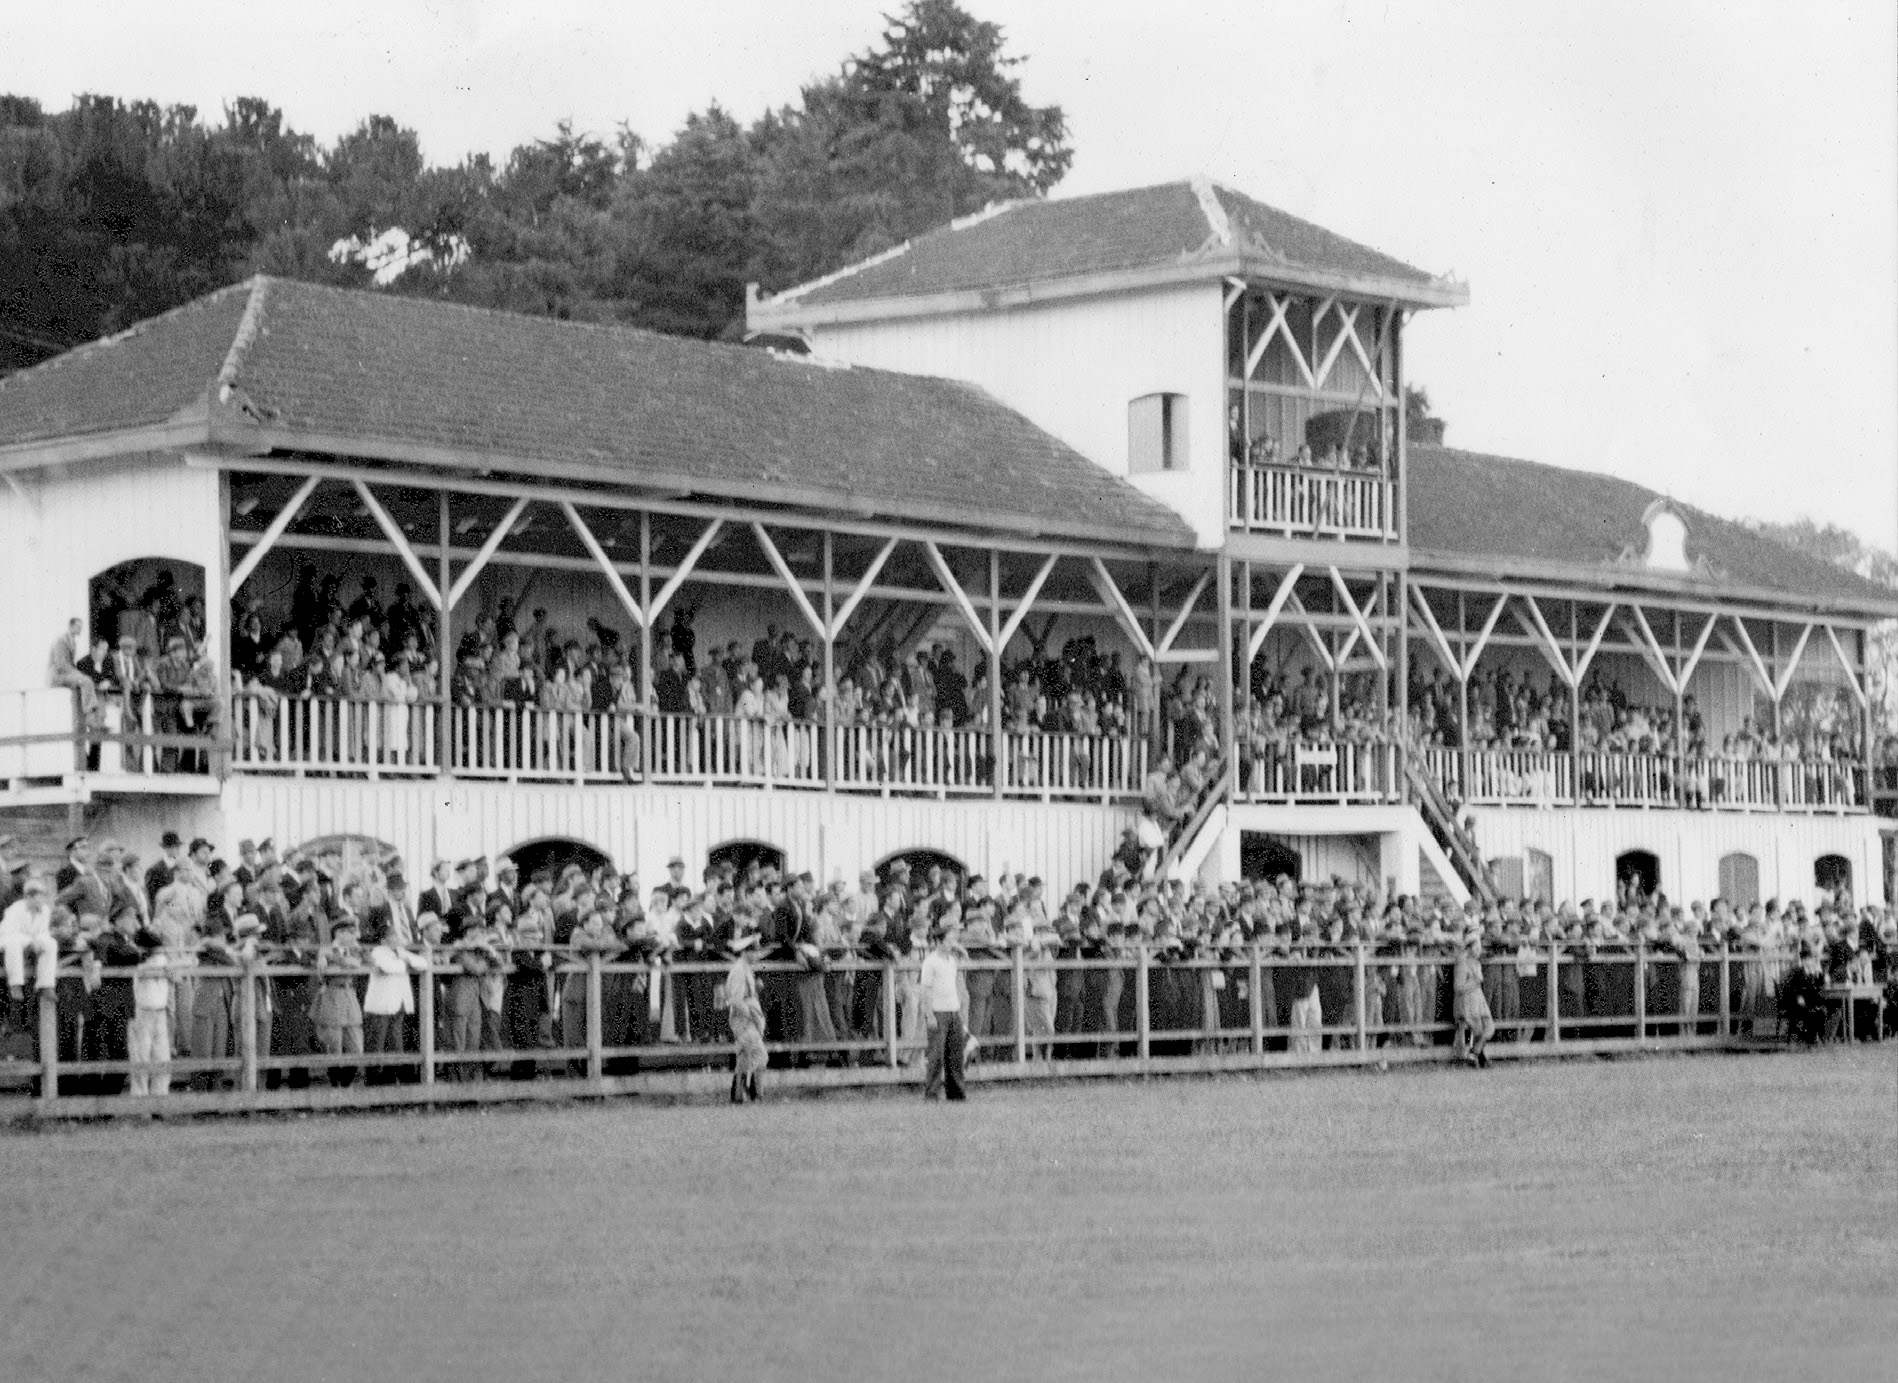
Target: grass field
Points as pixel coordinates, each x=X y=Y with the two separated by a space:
x=1730 y=1217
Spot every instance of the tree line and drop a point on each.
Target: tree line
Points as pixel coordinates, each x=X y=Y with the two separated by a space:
x=112 y=211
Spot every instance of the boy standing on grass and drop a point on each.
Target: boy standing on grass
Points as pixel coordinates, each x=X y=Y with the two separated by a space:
x=942 y=1001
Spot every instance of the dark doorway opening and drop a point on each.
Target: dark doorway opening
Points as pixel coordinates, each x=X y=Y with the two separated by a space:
x=1263 y=856
x=555 y=853
x=920 y=861
x=1637 y=875
x=1833 y=873
x=149 y=598
x=742 y=854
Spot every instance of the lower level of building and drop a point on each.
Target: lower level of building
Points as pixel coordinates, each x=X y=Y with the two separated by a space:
x=1559 y=854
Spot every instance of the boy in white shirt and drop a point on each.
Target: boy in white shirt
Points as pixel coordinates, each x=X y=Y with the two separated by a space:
x=942 y=1002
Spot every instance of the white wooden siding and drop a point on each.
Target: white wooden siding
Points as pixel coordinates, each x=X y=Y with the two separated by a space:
x=641 y=827
x=88 y=520
x=1073 y=367
x=1583 y=843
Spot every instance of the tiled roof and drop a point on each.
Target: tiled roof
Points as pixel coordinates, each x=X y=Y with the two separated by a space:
x=1139 y=228
x=148 y=374
x=560 y=399
x=1467 y=505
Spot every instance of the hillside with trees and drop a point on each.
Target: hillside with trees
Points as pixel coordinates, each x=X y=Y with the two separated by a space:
x=114 y=210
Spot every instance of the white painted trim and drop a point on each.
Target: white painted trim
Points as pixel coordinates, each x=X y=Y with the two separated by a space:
x=684 y=569
x=400 y=542
x=604 y=563
x=485 y=554
x=1130 y=623
x=843 y=612
x=243 y=570
x=1279 y=597
x=789 y=579
x=1014 y=621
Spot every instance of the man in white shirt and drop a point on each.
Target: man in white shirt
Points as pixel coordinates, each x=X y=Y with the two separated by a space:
x=942 y=1001
x=27 y=928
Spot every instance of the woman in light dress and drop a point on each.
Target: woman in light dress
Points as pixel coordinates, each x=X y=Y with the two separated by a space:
x=400 y=694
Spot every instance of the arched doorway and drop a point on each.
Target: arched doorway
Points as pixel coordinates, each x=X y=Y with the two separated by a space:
x=149 y=598
x=1833 y=873
x=1263 y=856
x=553 y=854
x=920 y=861
x=1739 y=880
x=1637 y=875
x=740 y=855
x=348 y=853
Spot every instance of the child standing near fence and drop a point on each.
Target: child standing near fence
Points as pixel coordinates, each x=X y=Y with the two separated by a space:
x=1474 y=1026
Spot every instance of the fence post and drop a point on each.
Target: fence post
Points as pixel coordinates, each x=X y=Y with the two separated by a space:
x=1020 y=1005
x=1358 y=986
x=1255 y=998
x=1143 y=1024
x=247 y=1020
x=425 y=1019
x=1726 y=992
x=889 y=1011
x=1555 y=992
x=1641 y=991
x=49 y=1051
x=596 y=1059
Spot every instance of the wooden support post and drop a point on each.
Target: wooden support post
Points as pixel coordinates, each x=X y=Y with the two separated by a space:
x=1555 y=991
x=425 y=1020
x=1143 y=1022
x=889 y=1013
x=1255 y=998
x=1641 y=991
x=1228 y=699
x=596 y=1058
x=996 y=740
x=1359 y=994
x=1726 y=990
x=49 y=1052
x=1019 y=978
x=830 y=665
x=444 y=651
x=247 y=1034
x=646 y=737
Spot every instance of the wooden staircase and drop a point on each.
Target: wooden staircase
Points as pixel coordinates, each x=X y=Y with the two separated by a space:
x=1457 y=843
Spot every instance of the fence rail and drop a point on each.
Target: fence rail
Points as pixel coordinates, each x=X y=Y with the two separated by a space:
x=573 y=1023
x=1487 y=777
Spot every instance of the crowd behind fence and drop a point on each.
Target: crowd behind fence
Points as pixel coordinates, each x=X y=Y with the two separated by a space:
x=577 y=1015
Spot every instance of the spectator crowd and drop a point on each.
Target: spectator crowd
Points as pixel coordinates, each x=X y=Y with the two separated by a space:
x=151 y=964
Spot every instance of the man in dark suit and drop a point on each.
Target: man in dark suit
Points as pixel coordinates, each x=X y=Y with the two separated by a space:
x=439 y=896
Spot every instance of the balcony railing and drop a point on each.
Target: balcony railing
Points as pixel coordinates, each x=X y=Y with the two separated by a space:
x=1294 y=501
x=1319 y=771
x=529 y=744
x=273 y=734
x=1486 y=777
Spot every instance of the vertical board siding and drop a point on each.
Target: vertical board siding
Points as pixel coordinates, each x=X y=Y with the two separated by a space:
x=638 y=828
x=1583 y=844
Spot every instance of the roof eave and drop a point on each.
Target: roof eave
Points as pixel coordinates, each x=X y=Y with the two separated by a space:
x=1425 y=561
x=847 y=502
x=777 y=314
x=19 y=458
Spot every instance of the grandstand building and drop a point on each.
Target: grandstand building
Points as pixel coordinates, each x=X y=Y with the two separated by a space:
x=1167 y=423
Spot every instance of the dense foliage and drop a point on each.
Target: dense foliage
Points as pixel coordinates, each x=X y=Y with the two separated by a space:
x=112 y=211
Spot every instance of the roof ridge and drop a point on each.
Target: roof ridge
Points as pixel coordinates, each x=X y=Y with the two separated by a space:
x=248 y=328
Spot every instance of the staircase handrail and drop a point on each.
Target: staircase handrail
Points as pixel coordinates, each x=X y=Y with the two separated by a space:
x=1463 y=850
x=1210 y=797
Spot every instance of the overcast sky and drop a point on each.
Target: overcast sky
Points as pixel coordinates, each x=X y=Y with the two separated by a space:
x=1679 y=221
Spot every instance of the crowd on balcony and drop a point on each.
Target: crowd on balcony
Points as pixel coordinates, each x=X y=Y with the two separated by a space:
x=342 y=642
x=145 y=670
x=1287 y=714
x=139 y=960
x=1360 y=455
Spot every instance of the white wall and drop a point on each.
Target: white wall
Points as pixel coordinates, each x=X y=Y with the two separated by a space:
x=1583 y=844
x=1073 y=366
x=832 y=836
x=83 y=521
